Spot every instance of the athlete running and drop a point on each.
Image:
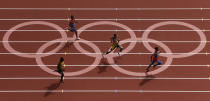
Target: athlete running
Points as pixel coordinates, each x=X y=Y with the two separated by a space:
x=115 y=44
x=60 y=68
x=154 y=59
x=72 y=26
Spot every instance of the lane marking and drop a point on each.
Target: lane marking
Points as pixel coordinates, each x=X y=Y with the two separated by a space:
x=105 y=41
x=65 y=53
x=105 y=9
x=102 y=78
x=98 y=19
x=104 y=30
x=106 y=91
x=103 y=65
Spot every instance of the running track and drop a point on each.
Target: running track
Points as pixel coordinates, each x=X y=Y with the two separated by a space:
x=185 y=79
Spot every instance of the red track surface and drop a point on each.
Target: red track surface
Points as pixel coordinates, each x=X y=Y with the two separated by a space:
x=133 y=84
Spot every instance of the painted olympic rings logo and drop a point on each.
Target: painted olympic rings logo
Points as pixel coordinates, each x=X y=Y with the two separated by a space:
x=109 y=57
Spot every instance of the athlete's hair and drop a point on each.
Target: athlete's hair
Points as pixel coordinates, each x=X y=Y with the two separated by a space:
x=156 y=49
x=72 y=16
x=115 y=35
x=61 y=59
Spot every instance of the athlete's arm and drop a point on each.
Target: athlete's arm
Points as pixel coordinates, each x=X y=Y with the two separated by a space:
x=63 y=66
x=68 y=27
x=151 y=57
x=69 y=23
x=74 y=21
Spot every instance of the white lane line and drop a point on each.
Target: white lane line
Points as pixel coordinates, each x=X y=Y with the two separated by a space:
x=102 y=53
x=104 y=41
x=105 y=91
x=33 y=19
x=104 y=65
x=105 y=30
x=104 y=9
x=143 y=19
x=33 y=8
x=97 y=19
x=100 y=78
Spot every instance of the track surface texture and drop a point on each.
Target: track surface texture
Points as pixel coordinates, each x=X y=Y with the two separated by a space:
x=33 y=39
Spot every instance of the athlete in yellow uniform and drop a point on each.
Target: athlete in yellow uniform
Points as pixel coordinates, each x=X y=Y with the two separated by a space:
x=61 y=68
x=115 y=44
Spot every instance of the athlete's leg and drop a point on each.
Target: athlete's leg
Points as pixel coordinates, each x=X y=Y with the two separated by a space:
x=111 y=49
x=62 y=75
x=120 y=47
x=158 y=63
x=76 y=33
x=150 y=66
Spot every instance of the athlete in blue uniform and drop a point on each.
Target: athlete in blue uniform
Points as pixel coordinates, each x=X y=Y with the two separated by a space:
x=72 y=26
x=154 y=59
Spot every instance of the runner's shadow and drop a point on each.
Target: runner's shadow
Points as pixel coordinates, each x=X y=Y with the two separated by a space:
x=117 y=59
x=146 y=80
x=52 y=87
x=66 y=47
x=103 y=68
